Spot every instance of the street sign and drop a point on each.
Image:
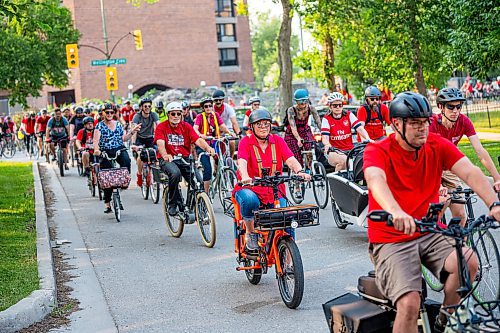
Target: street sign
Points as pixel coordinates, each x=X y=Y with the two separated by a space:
x=107 y=62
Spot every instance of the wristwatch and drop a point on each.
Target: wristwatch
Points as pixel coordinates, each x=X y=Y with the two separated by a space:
x=495 y=203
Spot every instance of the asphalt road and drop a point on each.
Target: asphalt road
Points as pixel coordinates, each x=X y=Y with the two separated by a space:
x=153 y=282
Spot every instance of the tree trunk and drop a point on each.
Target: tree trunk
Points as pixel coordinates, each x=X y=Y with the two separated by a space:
x=418 y=75
x=285 y=59
x=329 y=56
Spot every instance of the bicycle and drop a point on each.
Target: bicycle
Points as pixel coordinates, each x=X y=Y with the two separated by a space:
x=197 y=207
x=115 y=198
x=33 y=145
x=149 y=186
x=45 y=147
x=276 y=244
x=60 y=156
x=92 y=182
x=319 y=182
x=225 y=177
x=7 y=146
x=487 y=281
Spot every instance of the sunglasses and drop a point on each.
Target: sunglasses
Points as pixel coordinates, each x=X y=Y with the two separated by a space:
x=453 y=107
x=175 y=114
x=219 y=100
x=373 y=99
x=336 y=105
x=109 y=112
x=147 y=106
x=207 y=106
x=256 y=104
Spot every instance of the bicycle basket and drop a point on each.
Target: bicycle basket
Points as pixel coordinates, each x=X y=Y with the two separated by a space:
x=281 y=218
x=158 y=175
x=148 y=155
x=113 y=178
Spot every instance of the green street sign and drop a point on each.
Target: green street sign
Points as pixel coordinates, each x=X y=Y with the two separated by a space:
x=107 y=62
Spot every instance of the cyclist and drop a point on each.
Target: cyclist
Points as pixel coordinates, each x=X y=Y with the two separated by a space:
x=146 y=122
x=109 y=136
x=84 y=140
x=188 y=114
x=403 y=174
x=57 y=130
x=174 y=137
x=136 y=109
x=28 y=129
x=336 y=130
x=254 y=105
x=228 y=115
x=159 y=108
x=253 y=156
x=452 y=125
x=67 y=114
x=296 y=123
x=126 y=110
x=208 y=123
x=75 y=124
x=40 y=128
x=374 y=114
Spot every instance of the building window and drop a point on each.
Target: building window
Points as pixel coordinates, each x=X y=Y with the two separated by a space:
x=228 y=57
x=224 y=8
x=226 y=32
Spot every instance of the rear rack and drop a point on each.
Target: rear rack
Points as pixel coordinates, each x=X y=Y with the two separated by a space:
x=287 y=217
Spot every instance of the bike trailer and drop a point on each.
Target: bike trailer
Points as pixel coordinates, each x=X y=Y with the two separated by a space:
x=351 y=197
x=350 y=313
x=114 y=178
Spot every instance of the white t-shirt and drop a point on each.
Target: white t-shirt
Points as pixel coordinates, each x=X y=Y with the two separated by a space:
x=227 y=114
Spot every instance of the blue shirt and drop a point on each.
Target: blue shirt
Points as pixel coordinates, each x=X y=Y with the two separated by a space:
x=110 y=139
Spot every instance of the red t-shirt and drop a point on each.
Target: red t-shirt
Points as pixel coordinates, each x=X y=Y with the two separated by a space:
x=126 y=111
x=339 y=130
x=246 y=152
x=11 y=126
x=178 y=140
x=375 y=127
x=463 y=126
x=89 y=137
x=248 y=112
x=29 y=125
x=413 y=183
x=43 y=123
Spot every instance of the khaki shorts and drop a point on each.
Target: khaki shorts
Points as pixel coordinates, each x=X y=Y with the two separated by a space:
x=450 y=180
x=397 y=265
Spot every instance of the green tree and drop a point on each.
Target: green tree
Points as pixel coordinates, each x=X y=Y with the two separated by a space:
x=33 y=36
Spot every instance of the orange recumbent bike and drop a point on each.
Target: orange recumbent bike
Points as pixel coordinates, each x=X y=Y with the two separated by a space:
x=276 y=244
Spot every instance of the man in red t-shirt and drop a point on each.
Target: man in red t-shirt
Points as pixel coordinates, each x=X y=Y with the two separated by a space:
x=374 y=114
x=173 y=138
x=28 y=129
x=452 y=125
x=41 y=127
x=84 y=143
x=403 y=175
x=272 y=151
x=126 y=111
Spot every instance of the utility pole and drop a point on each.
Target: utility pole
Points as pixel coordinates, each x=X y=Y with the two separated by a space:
x=106 y=42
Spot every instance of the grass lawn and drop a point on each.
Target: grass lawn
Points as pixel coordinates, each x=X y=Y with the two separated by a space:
x=493 y=148
x=18 y=264
x=482 y=124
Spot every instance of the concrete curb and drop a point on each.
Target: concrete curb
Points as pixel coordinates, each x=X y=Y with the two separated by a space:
x=39 y=303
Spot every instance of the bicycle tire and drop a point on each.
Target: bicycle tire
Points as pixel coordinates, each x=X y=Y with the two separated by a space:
x=253 y=275
x=225 y=186
x=320 y=187
x=172 y=221
x=72 y=154
x=46 y=153
x=291 y=282
x=292 y=185
x=205 y=219
x=337 y=218
x=116 y=206
x=8 y=150
x=488 y=279
x=145 y=186
x=90 y=185
x=60 y=162
x=432 y=281
x=154 y=191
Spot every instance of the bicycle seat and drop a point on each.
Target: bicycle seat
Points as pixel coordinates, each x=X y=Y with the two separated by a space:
x=368 y=288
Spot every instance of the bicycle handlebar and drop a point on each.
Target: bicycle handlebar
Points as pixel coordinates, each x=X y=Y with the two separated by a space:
x=105 y=155
x=272 y=181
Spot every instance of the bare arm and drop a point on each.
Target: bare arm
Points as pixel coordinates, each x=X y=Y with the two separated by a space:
x=71 y=131
x=363 y=133
x=293 y=164
x=202 y=144
x=315 y=116
x=243 y=169
x=163 y=151
x=485 y=159
x=245 y=121
x=95 y=140
x=224 y=129
x=293 y=126
x=236 y=127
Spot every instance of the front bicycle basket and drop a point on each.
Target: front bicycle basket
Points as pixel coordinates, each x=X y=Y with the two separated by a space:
x=286 y=217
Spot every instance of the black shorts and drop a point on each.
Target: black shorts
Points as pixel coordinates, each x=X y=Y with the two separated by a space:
x=146 y=142
x=64 y=141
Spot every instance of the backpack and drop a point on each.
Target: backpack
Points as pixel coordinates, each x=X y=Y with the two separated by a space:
x=369 y=114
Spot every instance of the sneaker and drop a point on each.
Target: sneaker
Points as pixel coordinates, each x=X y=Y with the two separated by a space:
x=139 y=180
x=86 y=173
x=107 y=210
x=440 y=323
x=252 y=242
x=53 y=159
x=66 y=167
x=172 y=210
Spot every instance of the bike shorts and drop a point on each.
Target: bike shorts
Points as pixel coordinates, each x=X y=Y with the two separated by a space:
x=64 y=141
x=40 y=134
x=397 y=265
x=146 y=142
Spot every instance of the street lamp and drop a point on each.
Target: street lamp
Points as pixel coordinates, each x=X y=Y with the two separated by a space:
x=130 y=87
x=203 y=83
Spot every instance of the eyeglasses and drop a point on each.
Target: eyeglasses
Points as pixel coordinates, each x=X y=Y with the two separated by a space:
x=255 y=104
x=262 y=124
x=175 y=114
x=336 y=105
x=207 y=106
x=415 y=124
x=373 y=99
x=453 y=107
x=109 y=112
x=302 y=101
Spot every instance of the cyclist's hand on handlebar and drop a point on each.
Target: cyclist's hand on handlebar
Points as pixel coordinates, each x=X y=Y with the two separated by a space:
x=97 y=152
x=246 y=181
x=133 y=147
x=304 y=175
x=495 y=213
x=404 y=222
x=443 y=194
x=211 y=151
x=167 y=158
x=496 y=186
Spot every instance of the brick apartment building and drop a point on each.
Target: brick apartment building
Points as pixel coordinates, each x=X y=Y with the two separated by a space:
x=185 y=42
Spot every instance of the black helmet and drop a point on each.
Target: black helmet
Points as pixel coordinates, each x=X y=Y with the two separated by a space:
x=218 y=94
x=159 y=105
x=205 y=100
x=449 y=95
x=258 y=115
x=87 y=120
x=86 y=110
x=410 y=105
x=108 y=106
x=372 y=91
x=78 y=110
x=145 y=100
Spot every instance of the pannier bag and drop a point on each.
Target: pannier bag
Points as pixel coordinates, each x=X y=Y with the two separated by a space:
x=114 y=178
x=148 y=155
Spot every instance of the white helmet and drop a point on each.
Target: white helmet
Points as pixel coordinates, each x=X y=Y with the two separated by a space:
x=172 y=106
x=136 y=107
x=335 y=96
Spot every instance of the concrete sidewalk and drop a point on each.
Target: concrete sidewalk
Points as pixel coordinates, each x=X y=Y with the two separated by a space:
x=489 y=136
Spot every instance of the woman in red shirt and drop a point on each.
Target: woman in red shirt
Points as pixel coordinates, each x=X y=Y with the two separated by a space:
x=260 y=150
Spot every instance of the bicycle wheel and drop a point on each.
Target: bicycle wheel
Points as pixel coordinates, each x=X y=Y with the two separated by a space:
x=46 y=153
x=320 y=186
x=116 y=206
x=145 y=185
x=8 y=150
x=174 y=223
x=432 y=281
x=337 y=218
x=79 y=166
x=297 y=190
x=253 y=275
x=154 y=190
x=60 y=162
x=35 y=149
x=226 y=185
x=90 y=184
x=291 y=281
x=488 y=279
x=205 y=219
x=72 y=154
